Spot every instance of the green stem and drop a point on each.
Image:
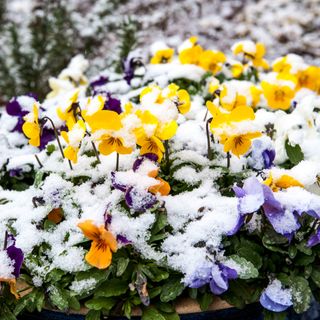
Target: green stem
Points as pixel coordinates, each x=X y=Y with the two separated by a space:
x=228 y=159
x=5 y=244
x=205 y=116
x=38 y=160
x=56 y=135
x=117 y=162
x=70 y=165
x=209 y=151
x=95 y=151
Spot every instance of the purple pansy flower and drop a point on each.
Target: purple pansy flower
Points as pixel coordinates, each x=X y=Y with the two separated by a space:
x=102 y=80
x=275 y=298
x=14 y=109
x=217 y=276
x=253 y=195
x=139 y=200
x=262 y=154
x=150 y=156
x=15 y=254
x=314 y=239
x=47 y=135
x=112 y=104
x=268 y=158
x=129 y=65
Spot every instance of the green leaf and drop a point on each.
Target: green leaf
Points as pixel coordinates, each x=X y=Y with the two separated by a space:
x=160 y=223
x=59 y=298
x=251 y=256
x=315 y=276
x=205 y=300
x=93 y=315
x=6 y=314
x=74 y=304
x=122 y=265
x=302 y=247
x=152 y=313
x=292 y=252
x=50 y=149
x=38 y=179
x=193 y=292
x=247 y=269
x=301 y=294
x=165 y=307
x=171 y=316
x=100 y=303
x=303 y=260
x=127 y=309
x=171 y=290
x=154 y=292
x=39 y=300
x=55 y=275
x=294 y=153
x=112 y=288
x=154 y=273
x=268 y=315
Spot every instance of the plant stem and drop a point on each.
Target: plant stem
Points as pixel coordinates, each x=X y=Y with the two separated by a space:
x=38 y=160
x=95 y=151
x=205 y=116
x=56 y=135
x=228 y=159
x=209 y=152
x=70 y=165
x=117 y=162
x=5 y=240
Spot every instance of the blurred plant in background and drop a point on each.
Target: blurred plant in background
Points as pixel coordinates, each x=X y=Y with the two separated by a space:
x=30 y=54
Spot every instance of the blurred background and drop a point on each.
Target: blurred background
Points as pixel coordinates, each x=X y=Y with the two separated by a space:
x=39 y=37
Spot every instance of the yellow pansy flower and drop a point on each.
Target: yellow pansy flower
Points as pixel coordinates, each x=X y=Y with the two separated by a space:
x=214 y=85
x=191 y=55
x=93 y=105
x=104 y=119
x=211 y=60
x=31 y=127
x=73 y=138
x=278 y=96
x=110 y=143
x=284 y=182
x=253 y=52
x=238 y=144
x=162 y=56
x=67 y=114
x=151 y=145
x=238 y=114
x=307 y=78
x=237 y=69
x=255 y=95
x=230 y=104
x=102 y=245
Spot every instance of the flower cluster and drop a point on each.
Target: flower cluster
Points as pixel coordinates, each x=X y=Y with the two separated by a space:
x=193 y=169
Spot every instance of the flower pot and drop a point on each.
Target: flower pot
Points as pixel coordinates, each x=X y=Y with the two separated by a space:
x=187 y=309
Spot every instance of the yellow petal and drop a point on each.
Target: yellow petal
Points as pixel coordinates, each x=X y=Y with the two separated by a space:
x=286 y=181
x=167 y=131
x=90 y=230
x=104 y=119
x=99 y=255
x=108 y=238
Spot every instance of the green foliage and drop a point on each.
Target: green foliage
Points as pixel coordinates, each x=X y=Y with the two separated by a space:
x=128 y=40
x=26 y=65
x=294 y=153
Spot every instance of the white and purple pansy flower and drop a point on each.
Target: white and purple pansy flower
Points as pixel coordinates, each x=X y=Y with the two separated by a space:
x=136 y=196
x=276 y=298
x=15 y=254
x=254 y=195
x=217 y=276
x=262 y=154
